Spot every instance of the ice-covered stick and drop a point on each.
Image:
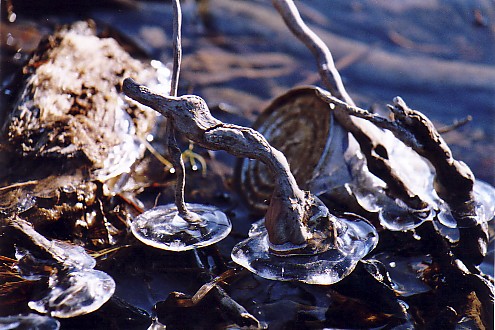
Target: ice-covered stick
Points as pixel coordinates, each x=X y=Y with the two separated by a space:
x=289 y=208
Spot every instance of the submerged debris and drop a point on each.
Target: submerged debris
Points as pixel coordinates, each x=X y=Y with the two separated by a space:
x=71 y=140
x=77 y=135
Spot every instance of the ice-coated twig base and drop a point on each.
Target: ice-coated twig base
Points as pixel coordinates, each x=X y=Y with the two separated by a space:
x=163 y=228
x=355 y=237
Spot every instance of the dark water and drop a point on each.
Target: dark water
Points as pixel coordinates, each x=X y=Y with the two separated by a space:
x=437 y=55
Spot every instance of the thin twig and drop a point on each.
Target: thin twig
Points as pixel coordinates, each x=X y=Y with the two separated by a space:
x=351 y=110
x=328 y=72
x=130 y=202
x=19 y=184
x=104 y=252
x=173 y=149
x=157 y=155
x=177 y=47
x=455 y=125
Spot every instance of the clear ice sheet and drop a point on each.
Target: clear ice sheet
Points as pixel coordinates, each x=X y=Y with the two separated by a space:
x=357 y=237
x=331 y=171
x=122 y=156
x=484 y=194
x=370 y=193
x=162 y=227
x=75 y=293
x=394 y=214
x=72 y=255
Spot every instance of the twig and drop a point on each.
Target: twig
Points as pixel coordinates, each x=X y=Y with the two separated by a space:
x=235 y=310
x=173 y=149
x=191 y=156
x=328 y=72
x=227 y=304
x=104 y=252
x=365 y=134
x=177 y=47
x=453 y=179
x=157 y=155
x=455 y=125
x=205 y=289
x=19 y=184
x=130 y=202
x=289 y=205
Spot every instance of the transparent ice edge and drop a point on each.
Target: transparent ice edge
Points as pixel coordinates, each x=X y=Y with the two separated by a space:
x=162 y=227
x=29 y=321
x=75 y=293
x=396 y=216
x=357 y=238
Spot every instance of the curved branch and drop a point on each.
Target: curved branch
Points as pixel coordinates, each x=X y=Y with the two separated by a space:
x=368 y=136
x=289 y=206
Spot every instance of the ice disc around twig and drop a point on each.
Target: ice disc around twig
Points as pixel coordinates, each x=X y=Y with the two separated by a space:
x=162 y=227
x=356 y=238
x=484 y=195
x=75 y=293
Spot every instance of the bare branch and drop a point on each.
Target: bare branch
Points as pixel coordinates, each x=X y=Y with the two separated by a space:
x=289 y=206
x=326 y=67
x=453 y=179
x=455 y=125
x=367 y=135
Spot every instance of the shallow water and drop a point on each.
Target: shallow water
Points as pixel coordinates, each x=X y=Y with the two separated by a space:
x=240 y=54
